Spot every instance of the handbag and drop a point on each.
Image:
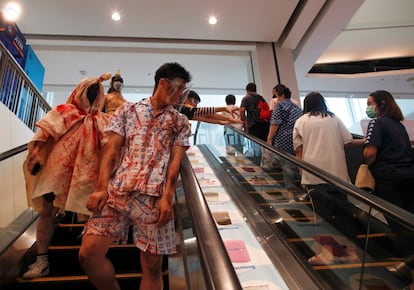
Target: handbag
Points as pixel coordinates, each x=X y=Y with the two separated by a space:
x=364 y=178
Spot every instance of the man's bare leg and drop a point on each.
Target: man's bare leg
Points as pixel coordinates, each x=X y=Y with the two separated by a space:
x=151 y=270
x=44 y=233
x=98 y=268
x=45 y=227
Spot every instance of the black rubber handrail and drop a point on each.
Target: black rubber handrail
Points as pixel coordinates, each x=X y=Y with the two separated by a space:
x=218 y=271
x=12 y=152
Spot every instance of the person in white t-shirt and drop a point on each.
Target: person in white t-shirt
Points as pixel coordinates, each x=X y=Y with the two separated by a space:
x=320 y=138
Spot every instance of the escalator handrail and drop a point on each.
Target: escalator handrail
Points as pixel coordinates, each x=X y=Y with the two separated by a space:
x=13 y=231
x=218 y=271
x=12 y=152
x=371 y=200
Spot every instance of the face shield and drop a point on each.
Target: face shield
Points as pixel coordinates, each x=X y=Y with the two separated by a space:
x=182 y=100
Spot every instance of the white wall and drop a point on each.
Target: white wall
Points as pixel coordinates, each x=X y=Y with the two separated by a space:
x=14 y=133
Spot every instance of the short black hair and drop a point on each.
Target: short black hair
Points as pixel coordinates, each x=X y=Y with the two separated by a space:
x=230 y=99
x=251 y=87
x=283 y=90
x=171 y=70
x=193 y=95
x=117 y=78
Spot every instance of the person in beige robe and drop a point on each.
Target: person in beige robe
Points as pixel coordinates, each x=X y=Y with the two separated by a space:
x=62 y=165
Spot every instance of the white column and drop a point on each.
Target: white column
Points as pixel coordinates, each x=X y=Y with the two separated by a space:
x=265 y=71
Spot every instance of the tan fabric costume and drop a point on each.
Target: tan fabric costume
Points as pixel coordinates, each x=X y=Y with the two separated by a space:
x=70 y=160
x=113 y=101
x=114 y=98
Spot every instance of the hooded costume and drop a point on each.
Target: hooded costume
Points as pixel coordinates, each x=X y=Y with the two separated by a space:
x=73 y=133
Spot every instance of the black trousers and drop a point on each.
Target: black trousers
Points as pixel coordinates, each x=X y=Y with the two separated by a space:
x=259 y=130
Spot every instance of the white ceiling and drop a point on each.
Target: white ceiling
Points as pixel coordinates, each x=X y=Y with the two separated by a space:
x=74 y=36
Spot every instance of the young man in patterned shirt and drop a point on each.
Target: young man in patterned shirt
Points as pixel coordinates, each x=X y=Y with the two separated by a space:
x=137 y=181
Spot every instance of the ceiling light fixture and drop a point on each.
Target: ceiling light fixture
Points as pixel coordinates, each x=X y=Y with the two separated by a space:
x=212 y=20
x=11 y=11
x=116 y=16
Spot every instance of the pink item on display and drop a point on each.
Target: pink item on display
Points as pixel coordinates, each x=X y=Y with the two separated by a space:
x=237 y=251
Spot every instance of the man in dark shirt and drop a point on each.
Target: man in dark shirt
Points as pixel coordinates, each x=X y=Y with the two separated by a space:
x=249 y=114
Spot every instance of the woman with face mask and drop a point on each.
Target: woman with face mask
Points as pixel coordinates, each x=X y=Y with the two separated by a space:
x=388 y=151
x=370 y=110
x=390 y=157
x=114 y=98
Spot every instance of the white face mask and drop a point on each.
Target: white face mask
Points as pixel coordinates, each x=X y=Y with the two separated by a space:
x=117 y=85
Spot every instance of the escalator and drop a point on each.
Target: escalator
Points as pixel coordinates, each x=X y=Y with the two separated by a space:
x=19 y=250
x=240 y=226
x=354 y=240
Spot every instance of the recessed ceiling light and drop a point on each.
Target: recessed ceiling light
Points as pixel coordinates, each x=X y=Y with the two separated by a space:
x=116 y=16
x=11 y=11
x=212 y=20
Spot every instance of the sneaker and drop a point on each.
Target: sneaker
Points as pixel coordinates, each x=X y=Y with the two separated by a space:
x=37 y=269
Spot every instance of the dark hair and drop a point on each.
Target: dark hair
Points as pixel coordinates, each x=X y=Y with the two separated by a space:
x=171 y=71
x=386 y=105
x=114 y=79
x=314 y=104
x=282 y=90
x=251 y=87
x=117 y=78
x=193 y=95
x=230 y=99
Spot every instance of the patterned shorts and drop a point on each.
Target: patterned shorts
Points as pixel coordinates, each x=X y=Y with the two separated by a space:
x=138 y=211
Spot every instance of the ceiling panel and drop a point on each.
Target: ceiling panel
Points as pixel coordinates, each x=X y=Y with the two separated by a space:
x=378 y=28
x=238 y=20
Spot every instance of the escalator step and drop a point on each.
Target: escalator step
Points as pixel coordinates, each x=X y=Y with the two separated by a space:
x=66 y=272
x=67 y=234
x=78 y=282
